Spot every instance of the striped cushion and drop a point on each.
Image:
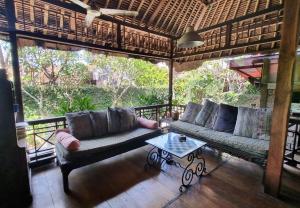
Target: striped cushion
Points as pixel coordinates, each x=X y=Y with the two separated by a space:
x=263 y=126
x=246 y=122
x=207 y=115
x=191 y=111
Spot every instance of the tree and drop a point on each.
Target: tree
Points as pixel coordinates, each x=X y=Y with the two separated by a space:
x=212 y=80
x=45 y=68
x=4 y=54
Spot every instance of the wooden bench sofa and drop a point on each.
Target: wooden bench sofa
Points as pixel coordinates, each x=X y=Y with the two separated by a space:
x=95 y=149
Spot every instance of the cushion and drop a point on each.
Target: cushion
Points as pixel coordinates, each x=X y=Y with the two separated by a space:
x=95 y=147
x=99 y=123
x=263 y=125
x=252 y=146
x=186 y=128
x=246 y=122
x=190 y=113
x=80 y=125
x=226 y=118
x=207 y=116
x=63 y=130
x=128 y=119
x=146 y=123
x=113 y=120
x=67 y=141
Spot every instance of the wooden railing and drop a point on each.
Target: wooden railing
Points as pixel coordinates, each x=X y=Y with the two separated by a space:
x=40 y=133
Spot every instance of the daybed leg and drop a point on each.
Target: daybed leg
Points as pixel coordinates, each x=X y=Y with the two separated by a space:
x=65 y=174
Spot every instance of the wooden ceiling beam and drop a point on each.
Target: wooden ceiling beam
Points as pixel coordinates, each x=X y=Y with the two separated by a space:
x=180 y=17
x=241 y=45
x=226 y=16
x=162 y=13
x=138 y=9
x=147 y=10
x=106 y=3
x=190 y=16
x=52 y=39
x=173 y=14
x=78 y=9
x=159 y=7
x=224 y=4
x=204 y=12
x=241 y=18
x=119 y=4
x=216 y=9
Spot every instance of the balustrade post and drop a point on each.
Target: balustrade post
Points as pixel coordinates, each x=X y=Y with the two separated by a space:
x=11 y=17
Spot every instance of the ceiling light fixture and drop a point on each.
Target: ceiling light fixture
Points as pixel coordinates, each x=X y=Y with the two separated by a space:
x=190 y=39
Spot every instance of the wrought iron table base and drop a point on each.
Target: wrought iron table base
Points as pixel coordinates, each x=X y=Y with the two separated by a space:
x=158 y=158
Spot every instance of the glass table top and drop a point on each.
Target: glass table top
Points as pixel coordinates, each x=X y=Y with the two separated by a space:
x=170 y=142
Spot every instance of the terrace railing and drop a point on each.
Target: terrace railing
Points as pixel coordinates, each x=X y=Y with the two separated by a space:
x=40 y=133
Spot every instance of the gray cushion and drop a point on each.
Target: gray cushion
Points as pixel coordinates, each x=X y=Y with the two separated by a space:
x=226 y=118
x=262 y=128
x=113 y=120
x=246 y=122
x=128 y=119
x=185 y=127
x=190 y=113
x=208 y=114
x=99 y=122
x=80 y=125
x=250 y=145
x=88 y=148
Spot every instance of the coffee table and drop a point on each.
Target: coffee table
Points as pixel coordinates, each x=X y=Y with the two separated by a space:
x=168 y=145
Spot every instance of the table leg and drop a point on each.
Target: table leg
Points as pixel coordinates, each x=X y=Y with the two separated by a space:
x=189 y=172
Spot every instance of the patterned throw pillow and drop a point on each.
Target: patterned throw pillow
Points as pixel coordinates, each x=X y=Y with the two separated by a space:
x=246 y=122
x=121 y=119
x=99 y=122
x=113 y=120
x=190 y=113
x=263 y=125
x=226 y=118
x=207 y=116
x=128 y=119
x=80 y=125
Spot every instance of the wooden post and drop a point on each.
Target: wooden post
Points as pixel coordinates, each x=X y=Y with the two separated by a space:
x=264 y=84
x=119 y=36
x=228 y=34
x=283 y=92
x=10 y=9
x=171 y=78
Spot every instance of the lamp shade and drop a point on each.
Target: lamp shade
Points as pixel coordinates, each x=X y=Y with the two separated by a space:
x=190 y=39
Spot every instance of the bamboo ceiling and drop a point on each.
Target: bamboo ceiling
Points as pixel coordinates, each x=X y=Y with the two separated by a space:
x=228 y=27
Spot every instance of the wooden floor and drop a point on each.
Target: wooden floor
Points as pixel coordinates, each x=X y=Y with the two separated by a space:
x=122 y=182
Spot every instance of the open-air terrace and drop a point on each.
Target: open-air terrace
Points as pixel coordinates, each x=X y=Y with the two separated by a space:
x=149 y=103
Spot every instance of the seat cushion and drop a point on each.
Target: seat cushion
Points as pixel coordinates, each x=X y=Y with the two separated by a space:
x=190 y=113
x=207 y=116
x=99 y=122
x=252 y=146
x=80 y=125
x=90 y=147
x=184 y=127
x=226 y=118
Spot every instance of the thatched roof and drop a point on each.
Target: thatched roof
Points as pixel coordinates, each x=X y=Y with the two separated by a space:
x=228 y=27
